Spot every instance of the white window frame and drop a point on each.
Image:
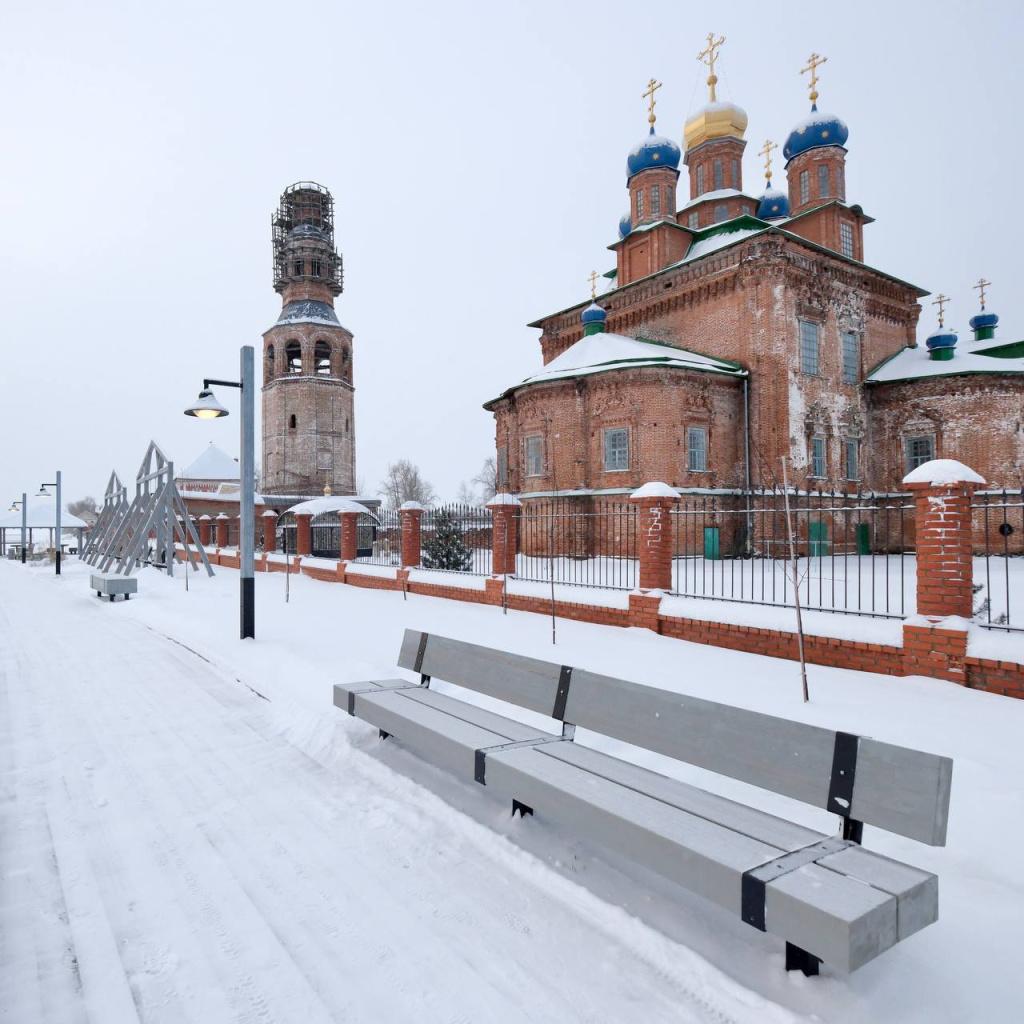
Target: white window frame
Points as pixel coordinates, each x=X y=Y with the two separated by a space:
x=639 y=204
x=851 y=447
x=700 y=179
x=533 y=455
x=718 y=173
x=849 y=342
x=655 y=201
x=846 y=247
x=912 y=461
x=612 y=452
x=697 y=455
x=804 y=350
x=819 y=461
x=824 y=181
x=805 y=186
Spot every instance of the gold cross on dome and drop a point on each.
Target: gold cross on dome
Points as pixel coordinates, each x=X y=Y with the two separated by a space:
x=940 y=301
x=766 y=152
x=708 y=56
x=648 y=94
x=813 y=63
x=593 y=284
x=981 y=286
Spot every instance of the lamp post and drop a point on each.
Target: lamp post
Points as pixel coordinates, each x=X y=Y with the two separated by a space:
x=206 y=407
x=23 y=505
x=42 y=491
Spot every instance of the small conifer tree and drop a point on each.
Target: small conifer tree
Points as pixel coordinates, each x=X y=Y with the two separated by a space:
x=446 y=549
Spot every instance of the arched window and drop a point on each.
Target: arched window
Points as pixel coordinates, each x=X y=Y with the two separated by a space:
x=293 y=356
x=268 y=369
x=291 y=422
x=322 y=359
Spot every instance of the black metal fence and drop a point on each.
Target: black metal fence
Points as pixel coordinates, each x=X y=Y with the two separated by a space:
x=580 y=543
x=457 y=538
x=851 y=550
x=998 y=528
x=379 y=538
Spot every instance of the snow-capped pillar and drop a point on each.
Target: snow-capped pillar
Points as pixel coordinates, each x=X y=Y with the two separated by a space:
x=349 y=547
x=222 y=530
x=655 y=534
x=943 y=490
x=205 y=530
x=269 y=521
x=410 y=514
x=504 y=533
x=303 y=533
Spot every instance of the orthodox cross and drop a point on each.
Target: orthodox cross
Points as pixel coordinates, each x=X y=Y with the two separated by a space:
x=648 y=94
x=940 y=301
x=593 y=284
x=766 y=152
x=813 y=63
x=708 y=56
x=981 y=286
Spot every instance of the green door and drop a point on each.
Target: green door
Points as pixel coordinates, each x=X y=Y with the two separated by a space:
x=863 y=539
x=819 y=537
x=711 y=543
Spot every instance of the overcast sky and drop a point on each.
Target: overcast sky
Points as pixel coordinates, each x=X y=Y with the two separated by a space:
x=476 y=154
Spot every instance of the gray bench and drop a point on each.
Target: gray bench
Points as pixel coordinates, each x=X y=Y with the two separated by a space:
x=110 y=584
x=825 y=895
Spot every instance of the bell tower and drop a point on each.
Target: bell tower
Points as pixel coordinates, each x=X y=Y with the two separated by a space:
x=308 y=408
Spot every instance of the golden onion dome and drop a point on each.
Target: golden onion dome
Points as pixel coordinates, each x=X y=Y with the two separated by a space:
x=717 y=120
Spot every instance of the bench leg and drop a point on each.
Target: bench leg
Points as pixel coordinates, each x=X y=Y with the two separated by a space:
x=384 y=735
x=111 y=597
x=798 y=959
x=127 y=596
x=853 y=830
x=521 y=808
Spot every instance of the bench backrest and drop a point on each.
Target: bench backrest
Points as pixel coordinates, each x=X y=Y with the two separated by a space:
x=895 y=788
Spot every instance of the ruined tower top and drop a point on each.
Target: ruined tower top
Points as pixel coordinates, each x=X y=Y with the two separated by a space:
x=306 y=264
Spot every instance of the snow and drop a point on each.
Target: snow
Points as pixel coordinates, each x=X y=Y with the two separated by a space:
x=706 y=246
x=718 y=193
x=914 y=363
x=504 y=498
x=943 y=471
x=328 y=503
x=442 y=578
x=818 y=117
x=412 y=506
x=42 y=514
x=192 y=832
x=655 y=489
x=212 y=464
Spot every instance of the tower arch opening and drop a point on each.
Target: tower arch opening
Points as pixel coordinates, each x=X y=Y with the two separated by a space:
x=268 y=365
x=322 y=358
x=293 y=356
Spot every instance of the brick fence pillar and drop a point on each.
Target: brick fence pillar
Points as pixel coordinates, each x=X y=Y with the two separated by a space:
x=303 y=534
x=349 y=546
x=410 y=514
x=269 y=521
x=504 y=533
x=222 y=530
x=654 y=534
x=205 y=530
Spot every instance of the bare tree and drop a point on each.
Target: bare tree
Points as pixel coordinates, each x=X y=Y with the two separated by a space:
x=84 y=508
x=465 y=494
x=404 y=483
x=487 y=479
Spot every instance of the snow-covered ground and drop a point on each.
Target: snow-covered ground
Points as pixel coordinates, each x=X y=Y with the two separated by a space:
x=189 y=831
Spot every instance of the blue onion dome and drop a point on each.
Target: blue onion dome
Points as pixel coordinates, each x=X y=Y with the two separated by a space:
x=625 y=225
x=816 y=131
x=593 y=314
x=941 y=340
x=653 y=151
x=773 y=204
x=982 y=320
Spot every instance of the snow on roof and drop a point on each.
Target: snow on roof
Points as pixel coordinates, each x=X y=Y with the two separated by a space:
x=504 y=498
x=597 y=353
x=914 y=364
x=42 y=514
x=943 y=471
x=655 y=489
x=719 y=240
x=329 y=503
x=213 y=464
x=718 y=193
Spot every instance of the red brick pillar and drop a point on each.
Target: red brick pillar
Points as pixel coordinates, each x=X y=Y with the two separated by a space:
x=654 y=534
x=943 y=490
x=269 y=520
x=504 y=534
x=411 y=513
x=303 y=534
x=205 y=530
x=349 y=547
x=222 y=530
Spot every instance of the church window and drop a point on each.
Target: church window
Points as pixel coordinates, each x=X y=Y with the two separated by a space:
x=655 y=201
x=919 y=450
x=322 y=359
x=298 y=268
x=823 y=189
x=268 y=370
x=616 y=449
x=852 y=458
x=719 y=174
x=694 y=221
x=639 y=204
x=535 y=455
x=291 y=422
x=841 y=183
x=501 y=469
x=293 y=356
x=697 y=449
x=700 y=180
x=721 y=212
x=805 y=186
x=810 y=340
x=851 y=357
x=735 y=174
x=316 y=268
x=846 y=239
x=819 y=462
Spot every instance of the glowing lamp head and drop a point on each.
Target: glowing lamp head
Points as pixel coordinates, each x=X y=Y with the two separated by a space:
x=206 y=407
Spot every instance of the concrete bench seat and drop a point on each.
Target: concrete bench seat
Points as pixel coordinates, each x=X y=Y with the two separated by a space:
x=110 y=584
x=827 y=896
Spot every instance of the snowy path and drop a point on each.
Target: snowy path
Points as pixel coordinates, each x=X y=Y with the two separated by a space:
x=167 y=855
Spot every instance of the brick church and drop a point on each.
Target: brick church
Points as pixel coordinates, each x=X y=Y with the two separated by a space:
x=738 y=329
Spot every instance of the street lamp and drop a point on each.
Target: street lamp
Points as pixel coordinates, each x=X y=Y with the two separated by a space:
x=43 y=492
x=23 y=505
x=206 y=407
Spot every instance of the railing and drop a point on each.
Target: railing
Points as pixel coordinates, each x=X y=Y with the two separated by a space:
x=379 y=538
x=851 y=550
x=588 y=545
x=457 y=538
x=998 y=528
